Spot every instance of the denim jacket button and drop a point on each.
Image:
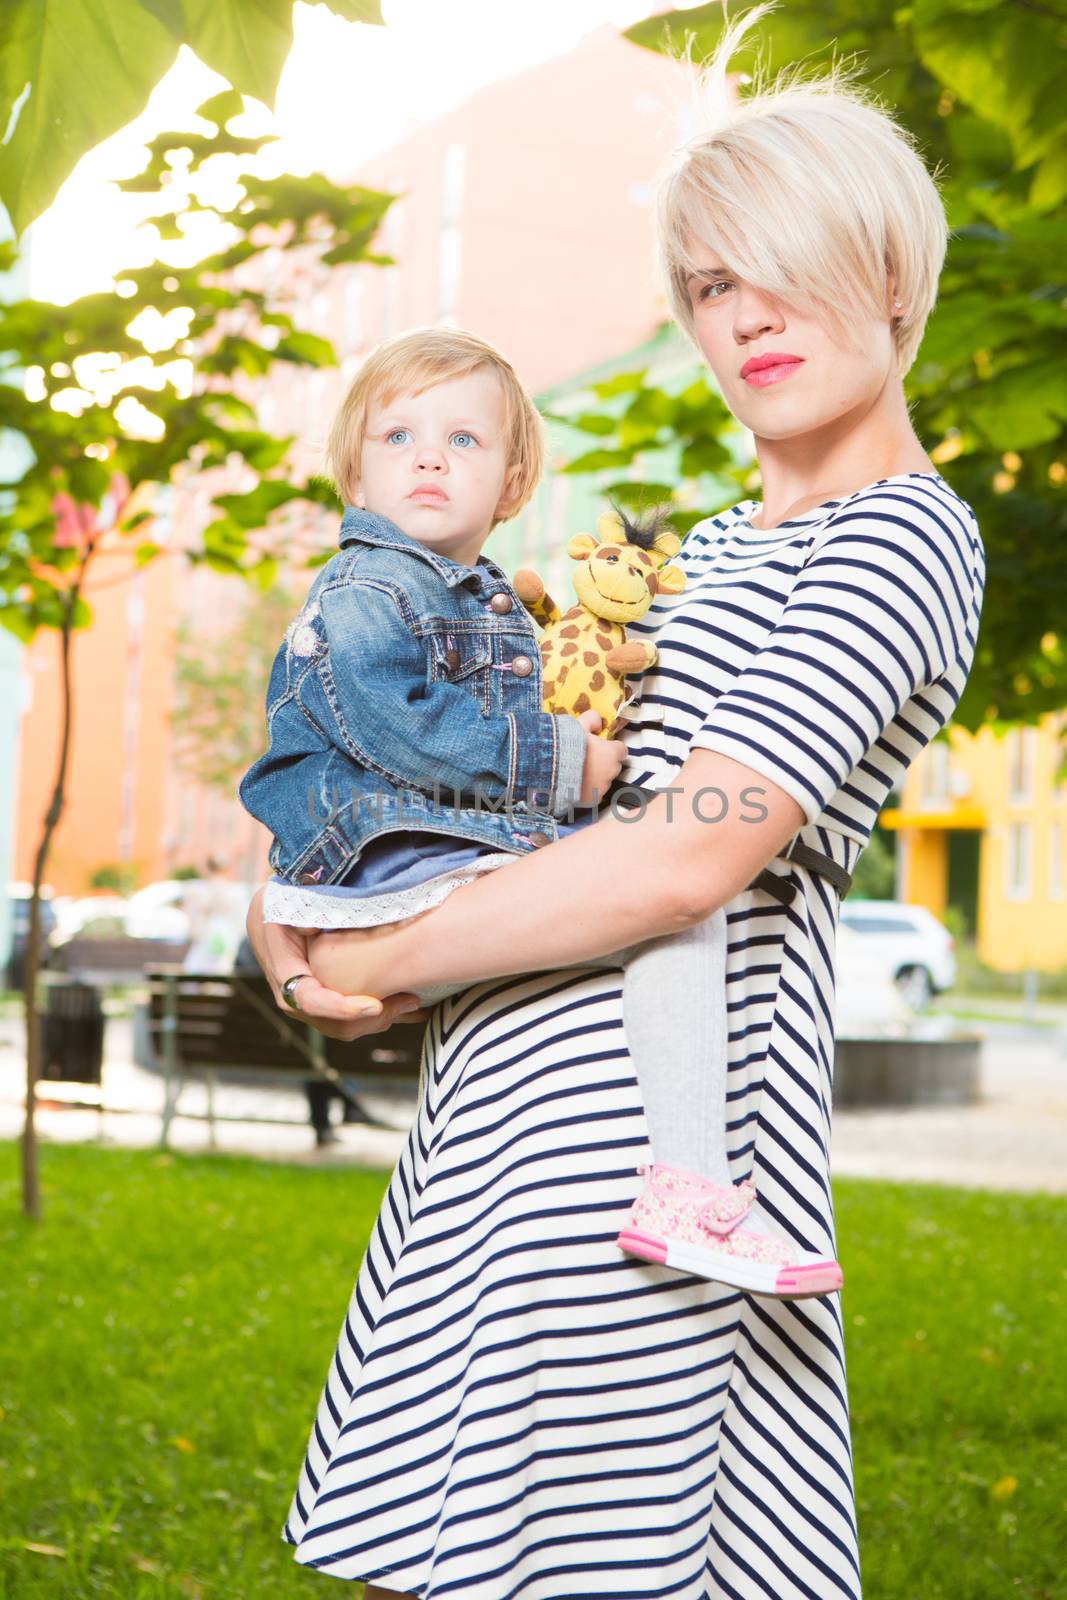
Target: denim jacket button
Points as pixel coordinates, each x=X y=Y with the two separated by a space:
x=501 y=604
x=452 y=659
x=521 y=666
x=309 y=877
x=539 y=839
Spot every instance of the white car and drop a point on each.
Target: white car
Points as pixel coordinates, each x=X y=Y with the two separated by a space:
x=156 y=912
x=869 y=1004
x=917 y=949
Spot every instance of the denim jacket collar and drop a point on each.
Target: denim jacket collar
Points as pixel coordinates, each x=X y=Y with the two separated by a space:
x=367 y=527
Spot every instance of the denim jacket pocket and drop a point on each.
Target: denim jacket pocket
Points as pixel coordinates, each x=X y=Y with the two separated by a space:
x=464 y=659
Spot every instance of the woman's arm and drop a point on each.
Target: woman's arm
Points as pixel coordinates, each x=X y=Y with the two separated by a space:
x=608 y=886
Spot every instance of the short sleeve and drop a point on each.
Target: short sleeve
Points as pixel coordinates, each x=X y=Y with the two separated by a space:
x=886 y=604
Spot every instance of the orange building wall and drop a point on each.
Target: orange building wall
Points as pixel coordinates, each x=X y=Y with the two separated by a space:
x=121 y=672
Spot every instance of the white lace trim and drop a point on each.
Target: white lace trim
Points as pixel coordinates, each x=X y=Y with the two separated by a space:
x=301 y=907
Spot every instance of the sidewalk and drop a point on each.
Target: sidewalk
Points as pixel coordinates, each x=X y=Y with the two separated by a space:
x=1015 y=1138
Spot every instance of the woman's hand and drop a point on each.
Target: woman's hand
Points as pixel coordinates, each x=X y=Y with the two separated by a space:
x=282 y=952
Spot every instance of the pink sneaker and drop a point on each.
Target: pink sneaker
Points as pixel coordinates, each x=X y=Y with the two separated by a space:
x=684 y=1221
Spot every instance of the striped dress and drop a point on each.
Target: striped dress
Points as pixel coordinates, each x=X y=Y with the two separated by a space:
x=515 y=1408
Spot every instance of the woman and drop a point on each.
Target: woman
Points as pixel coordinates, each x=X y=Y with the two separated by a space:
x=515 y=1407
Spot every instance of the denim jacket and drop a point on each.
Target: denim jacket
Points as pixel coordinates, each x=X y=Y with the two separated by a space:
x=407 y=695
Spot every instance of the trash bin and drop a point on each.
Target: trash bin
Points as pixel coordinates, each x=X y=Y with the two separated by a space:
x=72 y=1034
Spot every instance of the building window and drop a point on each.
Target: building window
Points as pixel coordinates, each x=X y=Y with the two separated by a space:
x=452 y=183
x=449 y=261
x=1059 y=756
x=1017 y=862
x=392 y=235
x=1055 y=859
x=934 y=785
x=352 y=314
x=1021 y=745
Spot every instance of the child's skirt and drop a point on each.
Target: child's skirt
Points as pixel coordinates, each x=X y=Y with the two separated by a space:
x=396 y=876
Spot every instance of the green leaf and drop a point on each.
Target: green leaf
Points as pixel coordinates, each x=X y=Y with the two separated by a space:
x=264 y=574
x=1049 y=185
x=251 y=510
x=704 y=455
x=221 y=107
x=1008 y=64
x=145 y=553
x=246 y=40
x=90 y=66
x=356 y=10
x=590 y=422
x=640 y=495
x=19 y=621
x=1022 y=407
x=306 y=348
x=621 y=383
x=595 y=460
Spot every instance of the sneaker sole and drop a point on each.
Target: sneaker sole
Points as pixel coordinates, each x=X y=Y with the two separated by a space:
x=757 y=1277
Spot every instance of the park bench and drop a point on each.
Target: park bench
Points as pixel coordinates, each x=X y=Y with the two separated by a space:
x=204 y=1026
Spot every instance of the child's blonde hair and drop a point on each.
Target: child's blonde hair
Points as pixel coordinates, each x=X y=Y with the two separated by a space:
x=809 y=190
x=416 y=361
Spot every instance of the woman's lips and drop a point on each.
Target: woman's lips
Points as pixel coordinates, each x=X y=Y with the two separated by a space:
x=762 y=376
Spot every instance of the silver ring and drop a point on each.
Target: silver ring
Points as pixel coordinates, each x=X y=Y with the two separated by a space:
x=288 y=990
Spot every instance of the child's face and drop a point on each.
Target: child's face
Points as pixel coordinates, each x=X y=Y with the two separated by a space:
x=436 y=463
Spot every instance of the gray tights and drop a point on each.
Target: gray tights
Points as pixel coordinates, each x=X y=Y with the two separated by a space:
x=674 y=1014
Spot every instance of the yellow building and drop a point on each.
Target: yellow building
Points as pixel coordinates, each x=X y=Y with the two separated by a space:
x=982 y=824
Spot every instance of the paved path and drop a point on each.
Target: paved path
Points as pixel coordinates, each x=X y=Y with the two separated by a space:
x=1015 y=1138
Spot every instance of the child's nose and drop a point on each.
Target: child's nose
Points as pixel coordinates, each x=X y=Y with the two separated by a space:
x=429 y=460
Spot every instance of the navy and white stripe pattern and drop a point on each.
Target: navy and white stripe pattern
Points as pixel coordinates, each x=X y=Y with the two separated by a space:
x=515 y=1409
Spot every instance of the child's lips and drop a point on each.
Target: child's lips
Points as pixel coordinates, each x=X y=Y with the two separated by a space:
x=429 y=497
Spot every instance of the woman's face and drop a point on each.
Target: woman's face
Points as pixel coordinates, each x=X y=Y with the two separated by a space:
x=817 y=380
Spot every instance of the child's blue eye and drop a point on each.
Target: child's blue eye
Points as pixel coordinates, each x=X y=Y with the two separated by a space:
x=464 y=440
x=403 y=435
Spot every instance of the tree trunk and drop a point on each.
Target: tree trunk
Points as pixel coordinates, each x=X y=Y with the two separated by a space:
x=31 y=1199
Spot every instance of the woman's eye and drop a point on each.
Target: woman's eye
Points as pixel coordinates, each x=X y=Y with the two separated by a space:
x=464 y=440
x=398 y=436
x=705 y=290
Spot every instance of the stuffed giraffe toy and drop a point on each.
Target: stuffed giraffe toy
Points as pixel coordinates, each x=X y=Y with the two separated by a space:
x=584 y=651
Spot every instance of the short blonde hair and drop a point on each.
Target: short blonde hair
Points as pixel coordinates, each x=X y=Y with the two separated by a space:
x=809 y=190
x=416 y=361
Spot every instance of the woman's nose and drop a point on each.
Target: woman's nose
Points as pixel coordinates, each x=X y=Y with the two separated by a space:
x=756 y=313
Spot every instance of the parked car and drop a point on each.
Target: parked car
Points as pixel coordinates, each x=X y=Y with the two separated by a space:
x=917 y=949
x=88 y=916
x=20 y=895
x=157 y=911
x=209 y=912
x=869 y=1004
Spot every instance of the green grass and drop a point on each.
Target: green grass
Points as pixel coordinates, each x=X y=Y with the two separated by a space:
x=165 y=1330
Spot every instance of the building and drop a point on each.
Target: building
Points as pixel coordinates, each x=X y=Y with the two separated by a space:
x=982 y=825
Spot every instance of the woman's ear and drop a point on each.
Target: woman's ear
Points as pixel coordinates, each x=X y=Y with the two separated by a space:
x=896 y=307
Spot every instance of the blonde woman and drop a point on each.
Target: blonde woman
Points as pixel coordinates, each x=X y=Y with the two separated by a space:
x=516 y=1407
